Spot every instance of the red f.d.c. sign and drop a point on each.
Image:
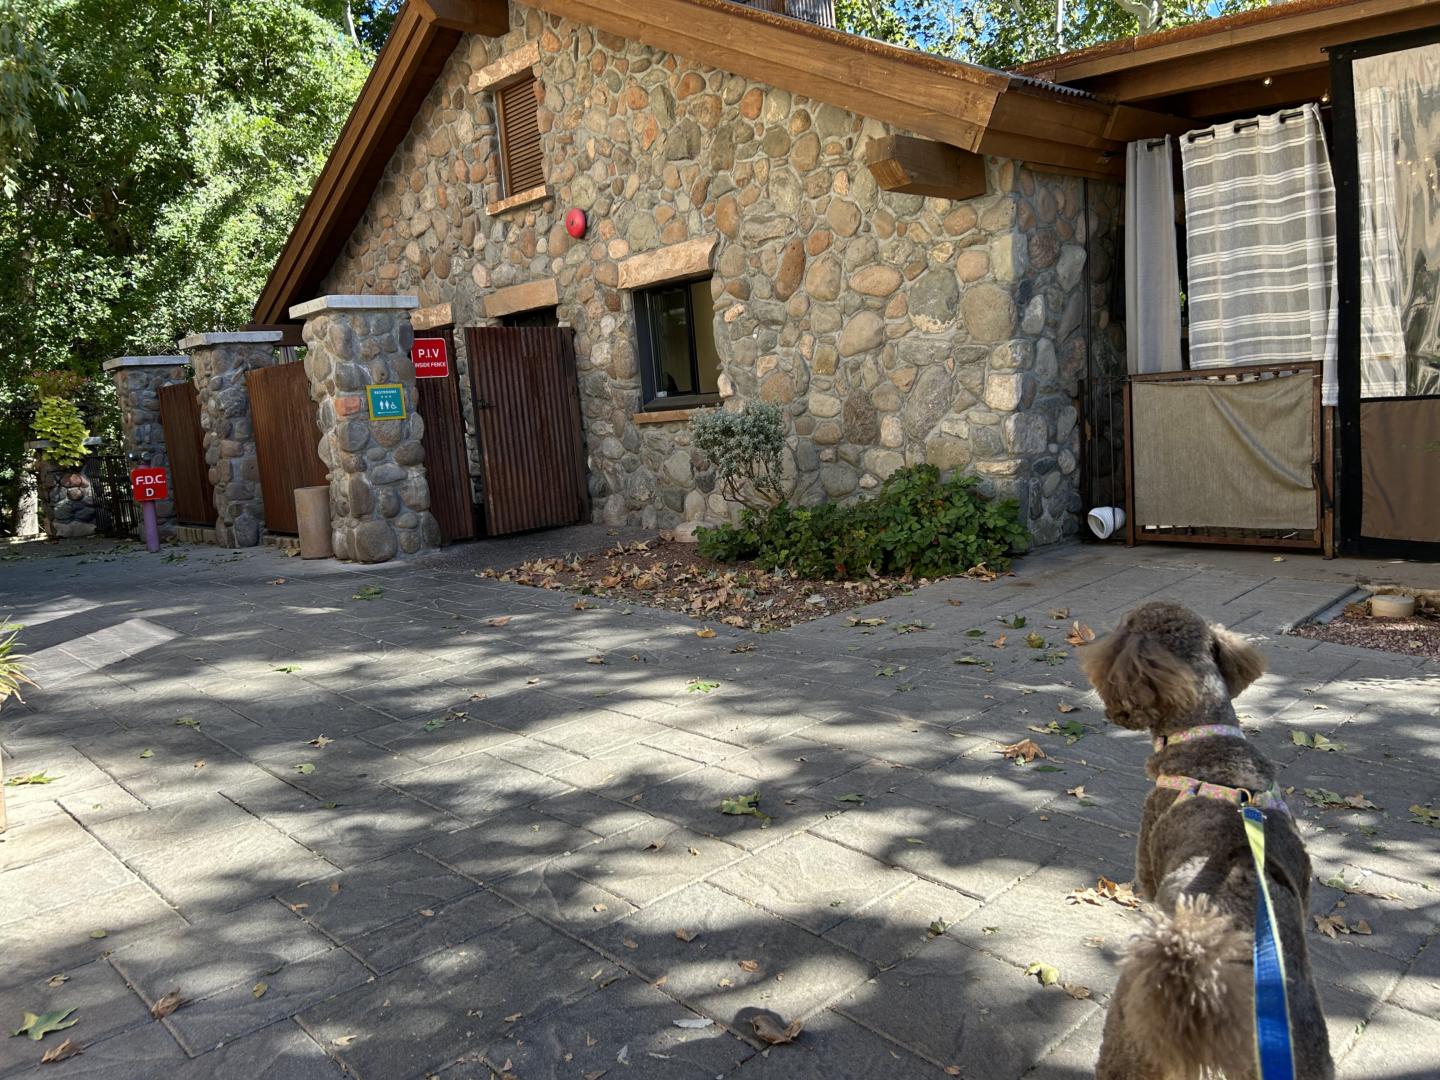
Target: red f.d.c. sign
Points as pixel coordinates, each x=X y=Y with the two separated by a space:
x=431 y=357
x=149 y=485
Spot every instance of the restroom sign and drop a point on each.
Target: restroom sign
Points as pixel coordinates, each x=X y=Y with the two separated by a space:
x=149 y=485
x=431 y=357
x=386 y=401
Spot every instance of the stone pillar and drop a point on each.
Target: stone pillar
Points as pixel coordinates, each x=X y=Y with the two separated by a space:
x=67 y=502
x=221 y=362
x=379 y=497
x=137 y=382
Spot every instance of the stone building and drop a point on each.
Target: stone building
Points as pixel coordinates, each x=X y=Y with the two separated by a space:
x=912 y=256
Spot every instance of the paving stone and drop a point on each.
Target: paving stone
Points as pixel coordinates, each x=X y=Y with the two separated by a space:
x=76 y=875
x=430 y=930
x=898 y=925
x=477 y=787
x=236 y=948
x=202 y=814
x=1076 y=1053
x=960 y=1007
x=600 y=731
x=427 y=1014
x=346 y=905
x=1419 y=989
x=650 y=861
x=794 y=971
x=624 y=773
x=992 y=788
x=203 y=1025
x=1053 y=824
x=743 y=728
x=687 y=744
x=224 y=871
x=599 y=815
x=103 y=1005
x=832 y=1046
x=40 y=840
x=508 y=843
x=561 y=898
x=694 y=800
x=800 y=762
x=973 y=856
x=583 y=1038
x=142 y=1053
x=455 y=738
x=537 y=756
x=1395 y=1043
x=281 y=1051
x=811 y=882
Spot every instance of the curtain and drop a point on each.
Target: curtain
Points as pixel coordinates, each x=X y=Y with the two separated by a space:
x=1382 y=339
x=1152 y=270
x=1260 y=227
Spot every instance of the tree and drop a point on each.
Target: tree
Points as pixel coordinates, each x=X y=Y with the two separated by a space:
x=152 y=196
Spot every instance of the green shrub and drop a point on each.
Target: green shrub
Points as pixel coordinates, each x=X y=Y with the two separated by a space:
x=58 y=420
x=12 y=663
x=744 y=448
x=917 y=524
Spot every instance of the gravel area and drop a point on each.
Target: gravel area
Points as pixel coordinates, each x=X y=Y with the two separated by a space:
x=1416 y=636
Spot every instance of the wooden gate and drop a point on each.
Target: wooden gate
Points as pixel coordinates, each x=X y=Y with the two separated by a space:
x=447 y=467
x=527 y=409
x=287 y=437
x=185 y=446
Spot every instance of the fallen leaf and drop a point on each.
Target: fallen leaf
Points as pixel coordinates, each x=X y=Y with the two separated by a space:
x=334 y=887
x=694 y=1022
x=57 y=980
x=751 y=966
x=705 y=633
x=1059 y=613
x=277 y=581
x=768 y=1029
x=369 y=592
x=1079 y=993
x=745 y=805
x=427 y=913
x=1047 y=974
x=513 y=1017
x=599 y=907
x=343 y=1040
x=147 y=753
x=1034 y=640
x=1078 y=792
x=41 y=777
x=1331 y=926
x=1025 y=750
x=188 y=721
x=321 y=741
x=937 y=927
x=1079 y=634
x=67 y=1049
x=288 y=669
x=655 y=845
x=597 y=659
x=998 y=643
x=914 y=840
x=98 y=934
x=700 y=686
x=630 y=943
x=1359 y=802
x=38 y=1026
x=1014 y=622
x=952 y=1070
x=305 y=768
x=258 y=990
x=686 y=935
x=167 y=1005
x=581 y=605
x=499 y=620
x=852 y=797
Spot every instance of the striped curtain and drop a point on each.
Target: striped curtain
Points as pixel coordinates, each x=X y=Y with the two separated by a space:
x=1260 y=226
x=1382 y=339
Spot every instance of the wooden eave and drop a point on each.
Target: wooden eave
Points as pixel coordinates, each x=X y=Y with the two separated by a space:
x=968 y=107
x=424 y=36
x=1287 y=40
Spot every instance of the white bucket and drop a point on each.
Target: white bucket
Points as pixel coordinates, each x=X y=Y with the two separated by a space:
x=1106 y=521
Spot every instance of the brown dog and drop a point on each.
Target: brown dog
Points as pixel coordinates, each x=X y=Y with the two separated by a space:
x=1184 y=1004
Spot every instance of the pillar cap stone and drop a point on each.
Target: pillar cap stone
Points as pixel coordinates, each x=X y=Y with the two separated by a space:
x=234 y=337
x=145 y=361
x=353 y=302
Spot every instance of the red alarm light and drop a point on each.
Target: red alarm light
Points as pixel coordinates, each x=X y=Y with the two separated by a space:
x=575 y=223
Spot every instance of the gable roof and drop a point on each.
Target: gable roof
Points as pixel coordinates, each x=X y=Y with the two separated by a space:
x=973 y=108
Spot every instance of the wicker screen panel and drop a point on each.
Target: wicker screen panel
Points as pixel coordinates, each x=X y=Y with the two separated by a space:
x=521 y=158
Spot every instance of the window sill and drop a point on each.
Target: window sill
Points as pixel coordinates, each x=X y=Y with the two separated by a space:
x=523 y=198
x=669 y=416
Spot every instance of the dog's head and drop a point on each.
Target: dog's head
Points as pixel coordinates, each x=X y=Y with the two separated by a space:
x=1162 y=661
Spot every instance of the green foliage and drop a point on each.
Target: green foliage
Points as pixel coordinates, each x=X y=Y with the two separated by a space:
x=917 y=524
x=12 y=663
x=745 y=450
x=58 y=420
x=26 y=80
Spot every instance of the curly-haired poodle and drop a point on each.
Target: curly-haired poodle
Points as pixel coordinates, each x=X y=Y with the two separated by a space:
x=1184 y=1004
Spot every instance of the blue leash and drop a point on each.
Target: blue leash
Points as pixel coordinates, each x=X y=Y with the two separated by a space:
x=1273 y=1054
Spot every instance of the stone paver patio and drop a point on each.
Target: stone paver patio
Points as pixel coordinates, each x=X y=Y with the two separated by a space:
x=484 y=870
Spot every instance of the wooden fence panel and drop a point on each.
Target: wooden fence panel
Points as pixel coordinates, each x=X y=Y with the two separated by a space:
x=287 y=439
x=185 y=447
x=447 y=468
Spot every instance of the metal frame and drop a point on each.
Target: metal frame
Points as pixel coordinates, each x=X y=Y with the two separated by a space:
x=1233 y=537
x=1346 y=166
x=649 y=354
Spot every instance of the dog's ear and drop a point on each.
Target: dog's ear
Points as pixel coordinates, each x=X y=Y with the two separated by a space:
x=1139 y=679
x=1240 y=663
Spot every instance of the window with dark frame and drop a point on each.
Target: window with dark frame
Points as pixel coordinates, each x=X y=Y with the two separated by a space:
x=522 y=162
x=675 y=328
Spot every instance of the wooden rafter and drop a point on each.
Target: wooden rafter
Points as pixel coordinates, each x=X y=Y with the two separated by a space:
x=921 y=167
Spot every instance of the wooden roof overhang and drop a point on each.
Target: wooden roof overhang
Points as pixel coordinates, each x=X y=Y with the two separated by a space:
x=975 y=109
x=1245 y=63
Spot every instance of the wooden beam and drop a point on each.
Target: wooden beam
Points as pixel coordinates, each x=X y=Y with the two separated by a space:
x=488 y=17
x=291 y=332
x=1100 y=163
x=921 y=167
x=940 y=99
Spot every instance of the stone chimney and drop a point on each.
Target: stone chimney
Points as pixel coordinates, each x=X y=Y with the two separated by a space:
x=820 y=12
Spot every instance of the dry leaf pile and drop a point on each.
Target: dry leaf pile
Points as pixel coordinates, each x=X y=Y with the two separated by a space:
x=673 y=576
x=1122 y=893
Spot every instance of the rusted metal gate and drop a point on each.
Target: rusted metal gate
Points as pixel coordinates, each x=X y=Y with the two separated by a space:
x=447 y=467
x=185 y=446
x=527 y=409
x=287 y=437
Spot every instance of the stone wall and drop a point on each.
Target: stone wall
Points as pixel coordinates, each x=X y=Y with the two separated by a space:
x=137 y=384
x=68 y=497
x=894 y=329
x=379 y=499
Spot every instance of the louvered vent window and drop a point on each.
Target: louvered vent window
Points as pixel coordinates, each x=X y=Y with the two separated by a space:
x=522 y=166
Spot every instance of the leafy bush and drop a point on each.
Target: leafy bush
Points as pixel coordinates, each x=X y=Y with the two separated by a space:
x=58 y=420
x=12 y=664
x=745 y=450
x=917 y=524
